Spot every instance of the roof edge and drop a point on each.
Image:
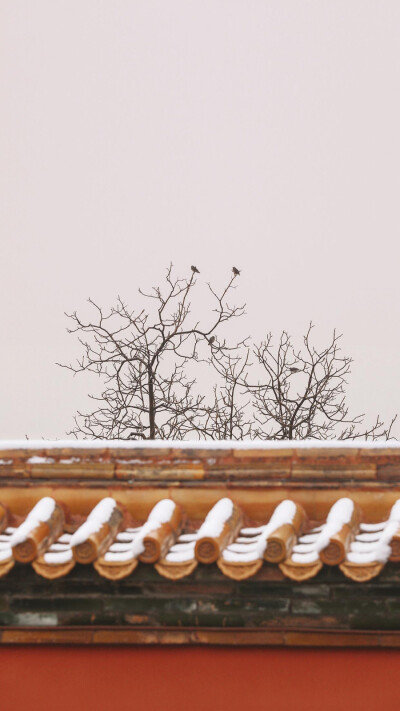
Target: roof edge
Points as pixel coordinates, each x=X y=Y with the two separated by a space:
x=206 y=445
x=174 y=463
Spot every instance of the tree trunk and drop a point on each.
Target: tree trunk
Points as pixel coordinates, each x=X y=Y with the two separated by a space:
x=152 y=413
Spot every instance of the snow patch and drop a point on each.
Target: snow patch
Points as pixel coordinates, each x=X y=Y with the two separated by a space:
x=58 y=558
x=182 y=556
x=216 y=518
x=257 y=542
x=161 y=513
x=41 y=460
x=373 y=545
x=96 y=519
x=129 y=554
x=193 y=444
x=308 y=548
x=378 y=552
x=42 y=511
x=211 y=527
x=248 y=557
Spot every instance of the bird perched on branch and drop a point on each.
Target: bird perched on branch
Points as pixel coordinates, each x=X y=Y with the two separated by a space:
x=235 y=271
x=211 y=340
x=295 y=370
x=194 y=270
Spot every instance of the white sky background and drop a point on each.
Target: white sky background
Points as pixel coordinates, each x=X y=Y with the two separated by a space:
x=262 y=134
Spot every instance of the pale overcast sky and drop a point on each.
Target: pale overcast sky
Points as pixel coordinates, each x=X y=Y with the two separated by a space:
x=258 y=133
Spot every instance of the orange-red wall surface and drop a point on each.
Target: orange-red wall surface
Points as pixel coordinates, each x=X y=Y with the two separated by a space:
x=197 y=679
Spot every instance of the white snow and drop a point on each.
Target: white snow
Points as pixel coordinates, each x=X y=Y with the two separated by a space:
x=161 y=513
x=378 y=551
x=129 y=554
x=187 y=537
x=254 y=549
x=241 y=547
x=118 y=548
x=372 y=526
x=59 y=558
x=393 y=516
x=310 y=538
x=5 y=548
x=180 y=556
x=282 y=514
x=339 y=515
x=193 y=444
x=96 y=519
x=123 y=536
x=181 y=547
x=248 y=557
x=181 y=552
x=305 y=558
x=373 y=544
x=216 y=519
x=395 y=511
x=309 y=546
x=211 y=527
x=42 y=511
x=304 y=547
x=40 y=460
x=369 y=537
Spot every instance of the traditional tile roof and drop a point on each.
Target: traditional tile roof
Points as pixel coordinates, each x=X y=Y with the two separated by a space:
x=112 y=505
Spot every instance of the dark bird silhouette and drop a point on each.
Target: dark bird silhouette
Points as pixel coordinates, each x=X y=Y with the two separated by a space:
x=235 y=271
x=194 y=270
x=295 y=370
x=211 y=340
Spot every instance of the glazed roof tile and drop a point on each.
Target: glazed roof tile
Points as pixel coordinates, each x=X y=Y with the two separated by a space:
x=175 y=545
x=175 y=505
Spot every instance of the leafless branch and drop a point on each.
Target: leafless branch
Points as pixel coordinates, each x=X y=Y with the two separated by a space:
x=302 y=393
x=148 y=361
x=142 y=359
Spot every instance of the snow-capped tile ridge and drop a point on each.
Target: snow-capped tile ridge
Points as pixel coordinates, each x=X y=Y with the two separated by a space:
x=42 y=511
x=253 y=541
x=309 y=546
x=125 y=551
x=97 y=517
x=193 y=444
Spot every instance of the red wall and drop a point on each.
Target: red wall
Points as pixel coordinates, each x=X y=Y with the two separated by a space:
x=197 y=679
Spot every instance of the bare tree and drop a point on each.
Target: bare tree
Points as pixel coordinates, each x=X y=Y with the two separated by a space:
x=149 y=363
x=302 y=393
x=227 y=416
x=142 y=359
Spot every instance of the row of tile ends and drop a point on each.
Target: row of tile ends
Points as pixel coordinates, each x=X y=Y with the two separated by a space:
x=53 y=540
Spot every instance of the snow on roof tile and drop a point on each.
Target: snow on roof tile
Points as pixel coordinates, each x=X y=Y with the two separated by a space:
x=176 y=505
x=170 y=540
